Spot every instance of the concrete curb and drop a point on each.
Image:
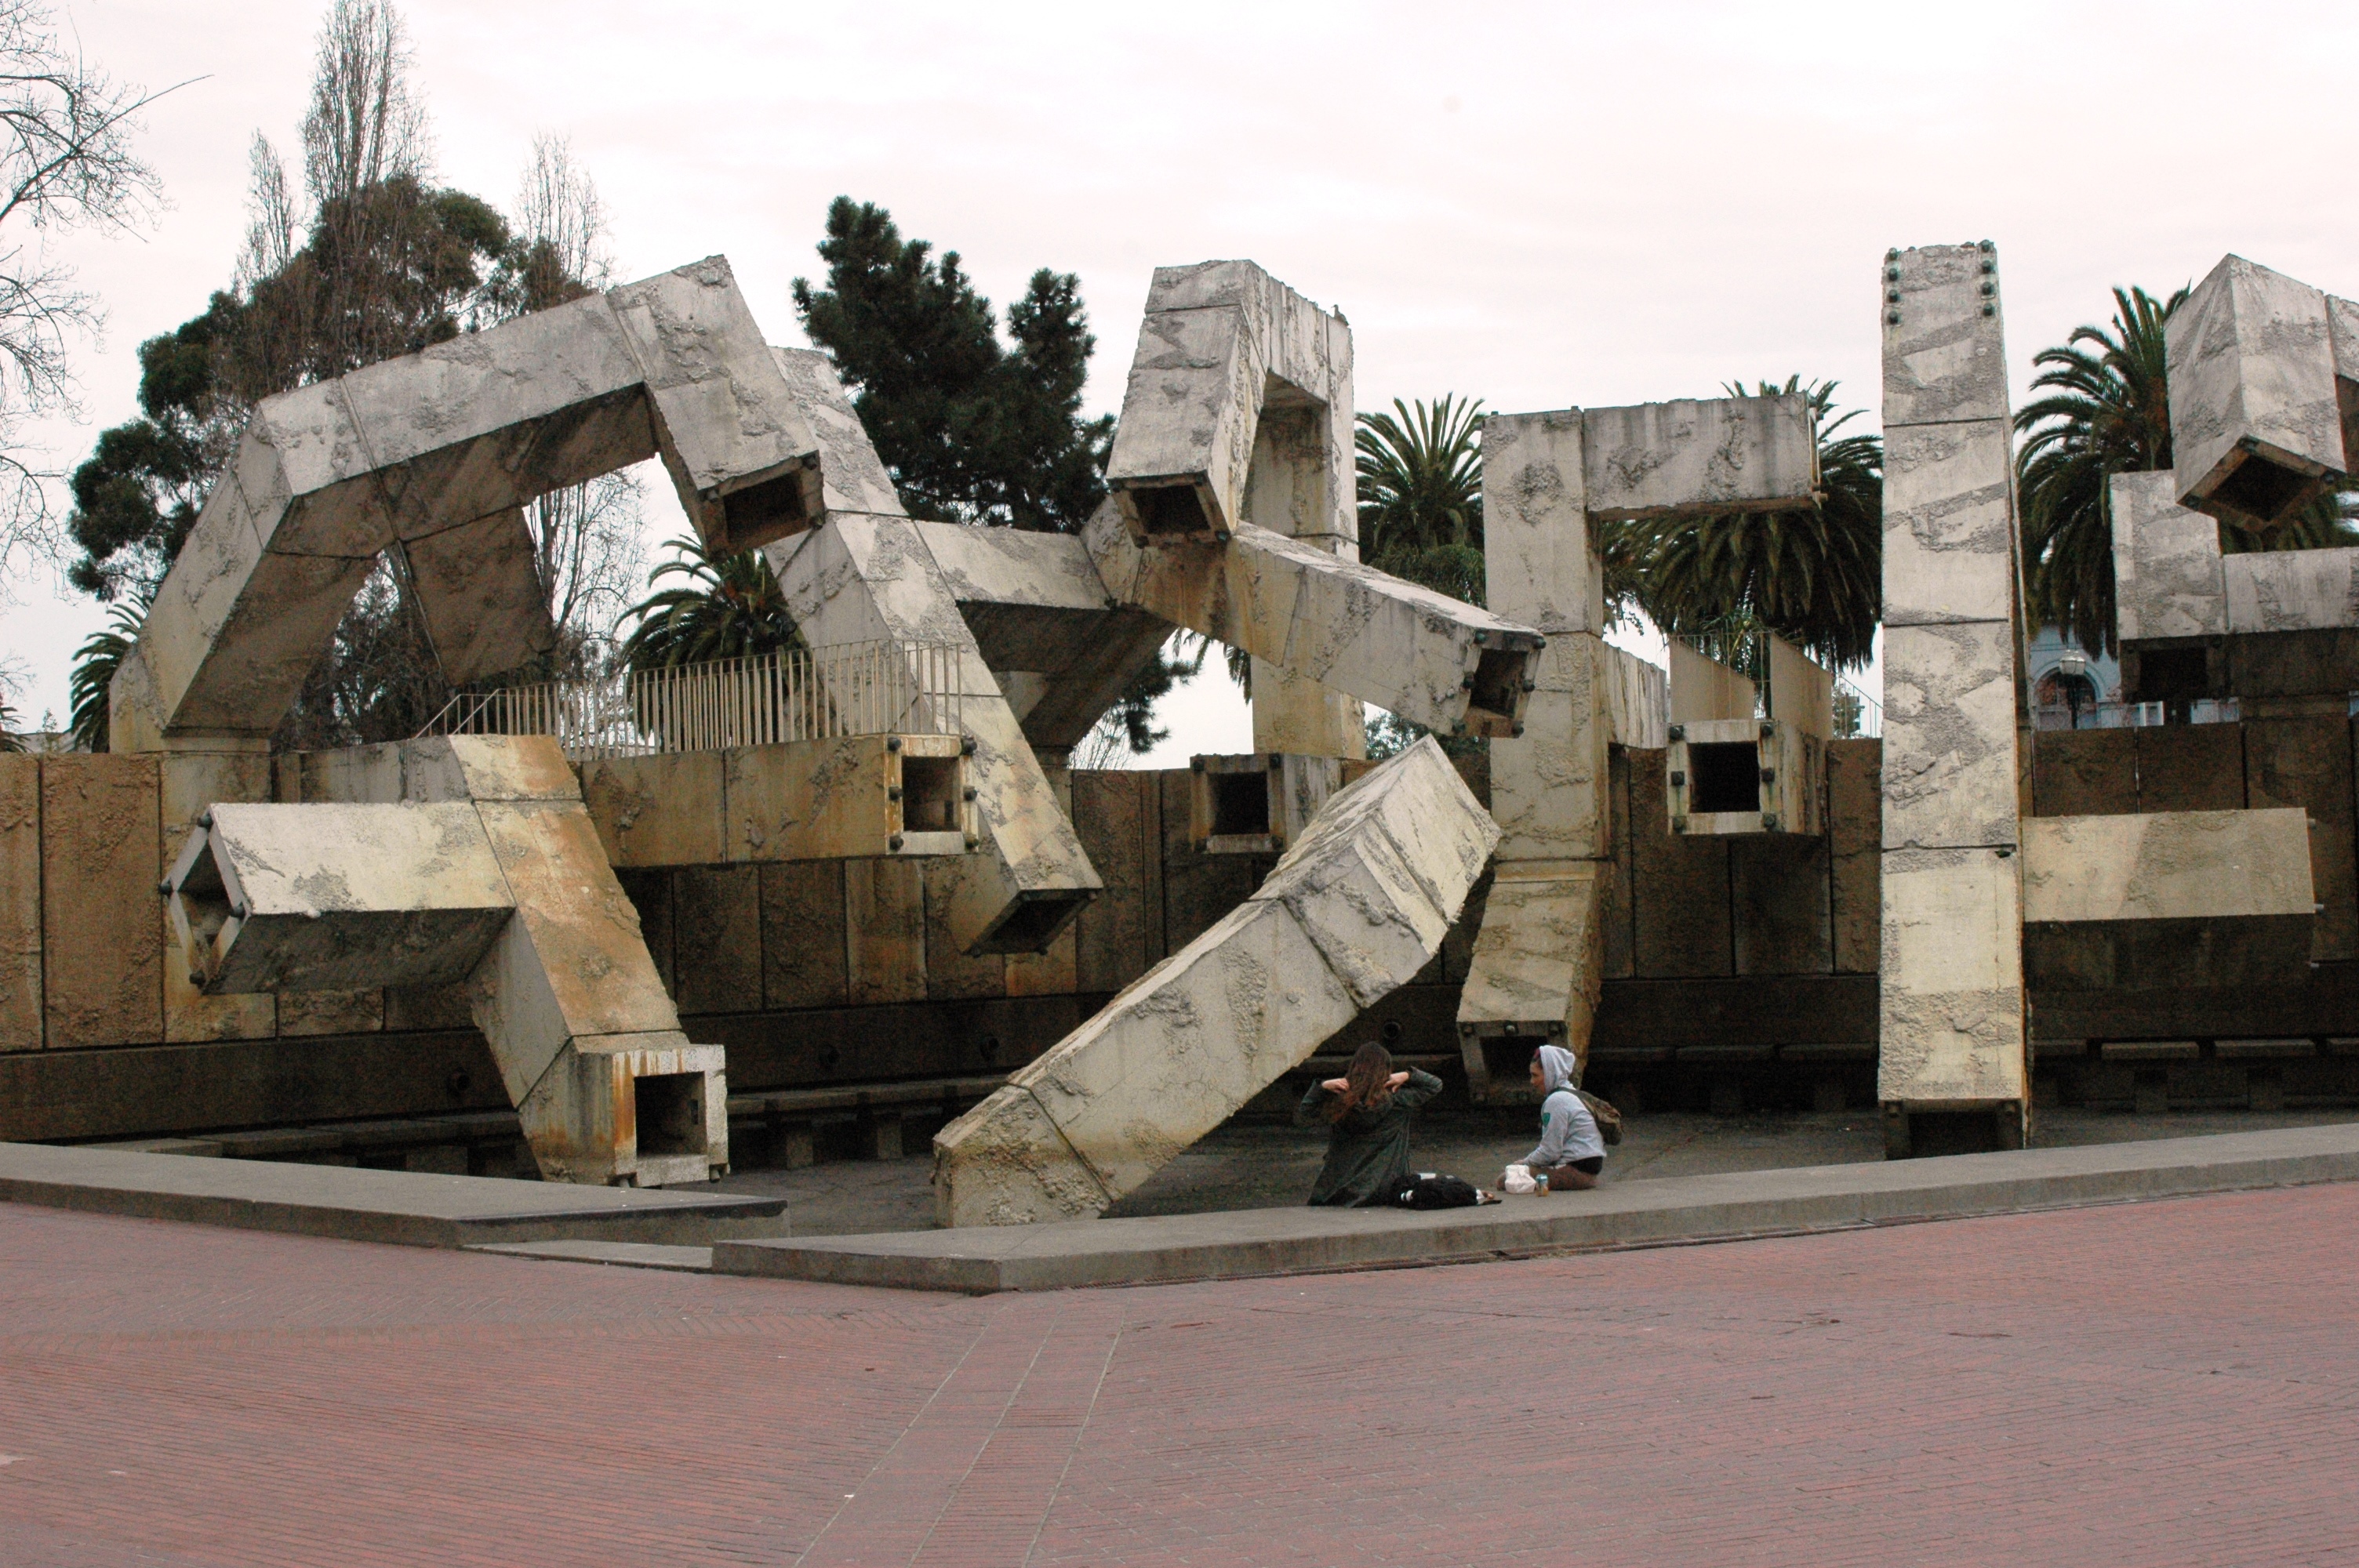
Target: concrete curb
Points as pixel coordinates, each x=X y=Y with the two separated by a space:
x=1684 y=1210
x=408 y=1208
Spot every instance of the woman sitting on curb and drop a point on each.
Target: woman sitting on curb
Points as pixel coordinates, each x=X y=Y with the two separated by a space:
x=1368 y=1112
x=1571 y=1152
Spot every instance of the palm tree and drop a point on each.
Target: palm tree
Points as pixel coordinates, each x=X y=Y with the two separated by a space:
x=2108 y=412
x=730 y=607
x=1419 y=474
x=95 y=661
x=1814 y=575
x=9 y=740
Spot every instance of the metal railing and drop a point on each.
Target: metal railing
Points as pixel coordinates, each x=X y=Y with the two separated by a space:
x=1857 y=716
x=851 y=688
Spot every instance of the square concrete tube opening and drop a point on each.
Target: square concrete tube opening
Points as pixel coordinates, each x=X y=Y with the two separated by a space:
x=1353 y=910
x=1256 y=803
x=396 y=455
x=2257 y=394
x=1744 y=776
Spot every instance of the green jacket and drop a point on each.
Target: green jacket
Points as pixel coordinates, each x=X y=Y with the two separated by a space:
x=1367 y=1151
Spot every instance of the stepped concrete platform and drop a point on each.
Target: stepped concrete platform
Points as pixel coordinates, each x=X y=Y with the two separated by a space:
x=410 y=1209
x=1668 y=1212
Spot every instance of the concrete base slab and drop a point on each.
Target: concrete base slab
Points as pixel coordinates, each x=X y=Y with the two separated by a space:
x=620 y=1254
x=1688 y=1209
x=410 y=1209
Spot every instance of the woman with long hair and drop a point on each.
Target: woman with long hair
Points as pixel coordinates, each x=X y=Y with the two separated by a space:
x=1367 y=1113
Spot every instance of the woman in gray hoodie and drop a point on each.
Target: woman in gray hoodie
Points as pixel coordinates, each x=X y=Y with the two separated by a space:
x=1571 y=1152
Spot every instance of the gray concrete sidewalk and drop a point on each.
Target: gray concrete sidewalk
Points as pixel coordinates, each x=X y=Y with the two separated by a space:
x=1259 y=1165
x=1728 y=1206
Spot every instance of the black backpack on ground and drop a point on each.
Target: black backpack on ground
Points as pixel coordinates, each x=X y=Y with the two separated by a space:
x=1428 y=1189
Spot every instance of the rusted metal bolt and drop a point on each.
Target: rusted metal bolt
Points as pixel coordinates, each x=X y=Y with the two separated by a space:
x=893 y=842
x=892 y=742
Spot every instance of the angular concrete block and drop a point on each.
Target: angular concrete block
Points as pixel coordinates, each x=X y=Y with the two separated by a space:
x=1537 y=969
x=1801 y=692
x=740 y=451
x=1948 y=736
x=863 y=577
x=950 y=973
x=1949 y=522
x=1355 y=908
x=2256 y=428
x=1951 y=985
x=190 y=783
x=1744 y=776
x=658 y=811
x=328 y=475
x=304 y=1014
x=646 y=1109
x=479 y=586
x=1548 y=788
x=1703 y=690
x=1294 y=714
x=2167 y=561
x=2211 y=865
x=1691 y=456
x=1256 y=803
x=103 y=952
x=321 y=897
x=486 y=768
x=21 y=902
x=1540 y=558
x=1944 y=355
x=2292 y=590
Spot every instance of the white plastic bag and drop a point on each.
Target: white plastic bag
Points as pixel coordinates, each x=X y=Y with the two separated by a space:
x=1520 y=1180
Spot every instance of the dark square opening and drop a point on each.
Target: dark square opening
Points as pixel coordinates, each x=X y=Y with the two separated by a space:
x=1724 y=775
x=1499 y=682
x=2172 y=674
x=766 y=510
x=1240 y=803
x=929 y=795
x=670 y=1111
x=2263 y=490
x=1170 y=509
x=1507 y=1058
x=1936 y=1132
x=1031 y=925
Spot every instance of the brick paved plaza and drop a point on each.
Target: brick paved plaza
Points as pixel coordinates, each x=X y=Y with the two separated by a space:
x=2164 y=1383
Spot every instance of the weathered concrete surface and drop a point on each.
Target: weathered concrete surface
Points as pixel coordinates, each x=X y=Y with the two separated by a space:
x=269 y=898
x=2255 y=425
x=1353 y=910
x=1949 y=735
x=479 y=587
x=102 y=923
x=1951 y=1032
x=1789 y=769
x=189 y=782
x=408 y=1208
x=1548 y=786
x=864 y=577
x=1256 y=803
x=1449 y=667
x=1688 y=457
x=330 y=475
x=1540 y=559
x=1703 y=690
x=20 y=903
x=2178 y=865
x=2292 y=590
x=1641 y=700
x=1674 y=1210
x=1951 y=983
x=2167 y=577
x=587 y=1040
x=1538 y=966
x=803 y=800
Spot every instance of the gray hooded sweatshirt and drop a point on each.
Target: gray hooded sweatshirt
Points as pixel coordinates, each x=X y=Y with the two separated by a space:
x=1568 y=1132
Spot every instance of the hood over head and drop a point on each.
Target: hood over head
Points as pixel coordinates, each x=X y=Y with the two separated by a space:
x=1559 y=1070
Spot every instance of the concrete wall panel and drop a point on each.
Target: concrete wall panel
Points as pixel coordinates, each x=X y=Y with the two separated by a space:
x=1620 y=958
x=717 y=938
x=1679 y=885
x=952 y=975
x=803 y=954
x=1198 y=889
x=20 y=903
x=2307 y=763
x=2084 y=772
x=1779 y=894
x=649 y=890
x=102 y=969
x=1120 y=835
x=2191 y=767
x=885 y=924
x=1854 y=840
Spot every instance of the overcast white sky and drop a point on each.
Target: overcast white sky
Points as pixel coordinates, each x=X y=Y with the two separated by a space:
x=1538 y=205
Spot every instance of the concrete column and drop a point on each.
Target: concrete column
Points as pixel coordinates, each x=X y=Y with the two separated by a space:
x=1952 y=1028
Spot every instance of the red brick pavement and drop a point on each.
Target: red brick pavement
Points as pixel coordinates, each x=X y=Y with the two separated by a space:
x=2156 y=1384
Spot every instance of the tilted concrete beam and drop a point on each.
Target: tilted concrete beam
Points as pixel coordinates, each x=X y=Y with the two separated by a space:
x=327 y=477
x=1352 y=911
x=1449 y=667
x=520 y=903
